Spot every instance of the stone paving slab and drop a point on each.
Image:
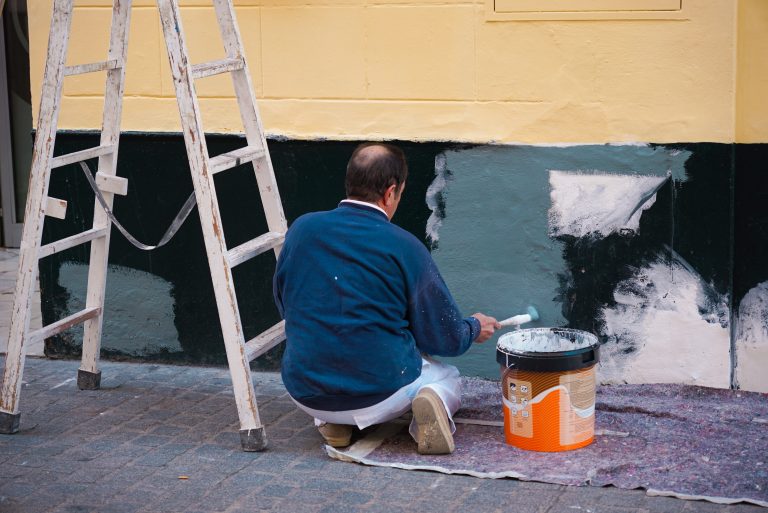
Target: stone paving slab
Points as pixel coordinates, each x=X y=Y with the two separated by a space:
x=126 y=447
x=9 y=261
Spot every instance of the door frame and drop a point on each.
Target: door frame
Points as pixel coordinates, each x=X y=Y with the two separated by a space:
x=11 y=227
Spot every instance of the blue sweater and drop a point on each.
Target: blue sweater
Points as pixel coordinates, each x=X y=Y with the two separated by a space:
x=362 y=299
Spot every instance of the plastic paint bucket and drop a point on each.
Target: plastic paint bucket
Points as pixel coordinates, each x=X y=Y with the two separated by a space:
x=548 y=388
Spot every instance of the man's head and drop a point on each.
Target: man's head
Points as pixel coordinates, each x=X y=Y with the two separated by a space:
x=376 y=173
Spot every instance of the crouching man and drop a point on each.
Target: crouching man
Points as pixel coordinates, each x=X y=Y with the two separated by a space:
x=364 y=304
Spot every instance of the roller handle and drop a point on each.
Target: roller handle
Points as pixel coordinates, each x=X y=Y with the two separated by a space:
x=517 y=320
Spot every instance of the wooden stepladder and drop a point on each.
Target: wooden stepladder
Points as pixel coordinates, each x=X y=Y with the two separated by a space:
x=202 y=166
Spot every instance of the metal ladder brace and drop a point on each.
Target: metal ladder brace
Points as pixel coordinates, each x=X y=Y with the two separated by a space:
x=221 y=259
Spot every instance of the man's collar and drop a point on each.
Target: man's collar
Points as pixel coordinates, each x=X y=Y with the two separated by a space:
x=365 y=204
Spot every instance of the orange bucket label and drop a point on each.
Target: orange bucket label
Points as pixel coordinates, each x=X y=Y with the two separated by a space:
x=549 y=411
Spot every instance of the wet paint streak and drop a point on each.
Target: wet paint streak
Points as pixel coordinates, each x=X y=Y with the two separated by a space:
x=435 y=199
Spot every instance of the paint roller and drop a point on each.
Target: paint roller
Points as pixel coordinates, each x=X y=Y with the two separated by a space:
x=517 y=320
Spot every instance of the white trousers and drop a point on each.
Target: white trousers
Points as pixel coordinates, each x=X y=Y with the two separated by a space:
x=440 y=377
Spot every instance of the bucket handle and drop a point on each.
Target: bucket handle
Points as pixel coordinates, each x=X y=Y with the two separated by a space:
x=589 y=358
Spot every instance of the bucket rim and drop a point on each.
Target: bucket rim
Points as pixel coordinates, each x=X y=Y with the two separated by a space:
x=595 y=342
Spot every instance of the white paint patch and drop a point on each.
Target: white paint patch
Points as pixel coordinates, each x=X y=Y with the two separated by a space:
x=599 y=204
x=138 y=309
x=434 y=196
x=751 y=336
x=668 y=326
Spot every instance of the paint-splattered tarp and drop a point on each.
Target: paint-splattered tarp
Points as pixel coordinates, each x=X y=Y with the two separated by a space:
x=685 y=441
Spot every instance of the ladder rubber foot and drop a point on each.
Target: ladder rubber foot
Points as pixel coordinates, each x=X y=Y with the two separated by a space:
x=253 y=440
x=9 y=423
x=88 y=380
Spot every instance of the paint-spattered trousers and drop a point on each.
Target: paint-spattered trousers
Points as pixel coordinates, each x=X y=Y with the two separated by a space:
x=440 y=377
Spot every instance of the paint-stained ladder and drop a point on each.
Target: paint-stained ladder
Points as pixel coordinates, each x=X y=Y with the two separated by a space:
x=202 y=166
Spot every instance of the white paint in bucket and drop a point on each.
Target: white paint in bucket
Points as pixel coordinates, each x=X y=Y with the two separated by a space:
x=545 y=340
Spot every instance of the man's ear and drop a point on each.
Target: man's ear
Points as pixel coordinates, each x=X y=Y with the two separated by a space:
x=390 y=194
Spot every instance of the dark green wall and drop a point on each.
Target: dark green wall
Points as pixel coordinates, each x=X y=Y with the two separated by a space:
x=711 y=212
x=310 y=177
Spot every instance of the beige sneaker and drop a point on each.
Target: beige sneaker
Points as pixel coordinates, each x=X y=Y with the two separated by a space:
x=337 y=435
x=434 y=430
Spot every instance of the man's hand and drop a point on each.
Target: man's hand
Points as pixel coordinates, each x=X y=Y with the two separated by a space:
x=487 y=326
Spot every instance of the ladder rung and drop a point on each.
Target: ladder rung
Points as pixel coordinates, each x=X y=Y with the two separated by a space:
x=207 y=69
x=65 y=323
x=260 y=344
x=71 y=242
x=90 y=67
x=254 y=247
x=235 y=158
x=79 y=156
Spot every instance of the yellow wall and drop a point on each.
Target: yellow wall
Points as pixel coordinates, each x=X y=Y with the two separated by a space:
x=752 y=73
x=436 y=70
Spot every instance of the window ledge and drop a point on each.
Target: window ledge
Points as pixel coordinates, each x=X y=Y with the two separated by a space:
x=545 y=10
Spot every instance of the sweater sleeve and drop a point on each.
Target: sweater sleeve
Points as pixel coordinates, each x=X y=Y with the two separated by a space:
x=434 y=318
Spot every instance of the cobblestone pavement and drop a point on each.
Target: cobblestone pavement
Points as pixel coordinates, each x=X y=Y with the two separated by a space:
x=159 y=438
x=9 y=261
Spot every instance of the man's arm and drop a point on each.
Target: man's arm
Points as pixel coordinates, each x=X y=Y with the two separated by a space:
x=434 y=318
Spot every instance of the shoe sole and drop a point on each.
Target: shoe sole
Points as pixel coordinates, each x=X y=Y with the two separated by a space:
x=434 y=431
x=339 y=443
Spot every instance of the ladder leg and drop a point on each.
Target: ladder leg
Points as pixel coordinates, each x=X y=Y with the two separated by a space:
x=34 y=214
x=252 y=436
x=89 y=375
